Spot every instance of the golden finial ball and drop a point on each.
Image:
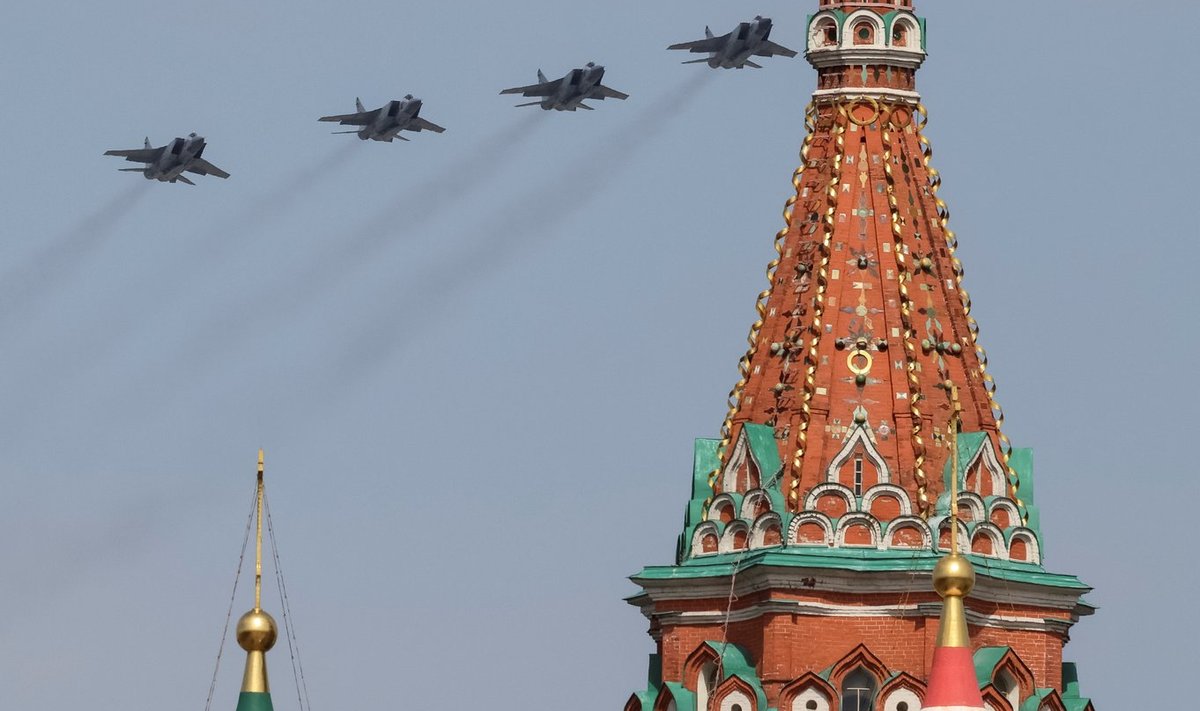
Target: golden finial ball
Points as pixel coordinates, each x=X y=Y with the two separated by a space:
x=953 y=576
x=256 y=631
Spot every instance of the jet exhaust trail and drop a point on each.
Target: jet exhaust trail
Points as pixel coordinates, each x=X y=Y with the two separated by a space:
x=24 y=286
x=413 y=207
x=524 y=226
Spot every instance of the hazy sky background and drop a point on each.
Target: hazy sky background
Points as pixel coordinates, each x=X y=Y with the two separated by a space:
x=477 y=361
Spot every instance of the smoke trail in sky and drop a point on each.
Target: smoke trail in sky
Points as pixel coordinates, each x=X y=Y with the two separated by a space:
x=415 y=206
x=525 y=224
x=25 y=285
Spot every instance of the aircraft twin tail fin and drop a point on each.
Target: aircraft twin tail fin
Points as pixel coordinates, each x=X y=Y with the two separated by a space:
x=358 y=105
x=542 y=77
x=708 y=33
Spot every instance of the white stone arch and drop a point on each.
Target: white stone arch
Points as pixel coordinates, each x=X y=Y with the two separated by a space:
x=810 y=501
x=813 y=694
x=810 y=517
x=731 y=532
x=991 y=464
x=993 y=532
x=853 y=21
x=1031 y=541
x=1014 y=514
x=860 y=435
x=854 y=519
x=914 y=522
x=816 y=31
x=704 y=529
x=975 y=503
x=943 y=524
x=721 y=503
x=751 y=501
x=762 y=524
x=910 y=22
x=891 y=489
x=903 y=695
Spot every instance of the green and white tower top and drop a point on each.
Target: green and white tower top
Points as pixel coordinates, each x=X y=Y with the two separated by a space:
x=866 y=49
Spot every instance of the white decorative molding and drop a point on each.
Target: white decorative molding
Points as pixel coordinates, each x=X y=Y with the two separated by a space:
x=859 y=435
x=762 y=524
x=859 y=519
x=829 y=487
x=891 y=490
x=902 y=695
x=993 y=533
x=702 y=530
x=914 y=522
x=810 y=517
x=751 y=501
x=731 y=531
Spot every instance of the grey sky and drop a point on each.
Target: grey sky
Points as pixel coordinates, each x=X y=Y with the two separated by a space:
x=477 y=432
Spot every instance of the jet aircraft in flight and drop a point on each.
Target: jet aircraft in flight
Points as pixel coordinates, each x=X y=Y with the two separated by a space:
x=569 y=93
x=169 y=163
x=734 y=50
x=386 y=122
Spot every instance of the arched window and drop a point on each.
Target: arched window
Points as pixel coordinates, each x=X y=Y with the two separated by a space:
x=858 y=691
x=705 y=681
x=900 y=35
x=1008 y=687
x=864 y=33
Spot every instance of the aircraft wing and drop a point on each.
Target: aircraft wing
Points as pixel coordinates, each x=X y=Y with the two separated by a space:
x=420 y=124
x=770 y=49
x=711 y=44
x=199 y=166
x=603 y=92
x=544 y=89
x=362 y=118
x=138 y=155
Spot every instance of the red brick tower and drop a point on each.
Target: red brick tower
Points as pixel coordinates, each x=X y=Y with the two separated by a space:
x=802 y=575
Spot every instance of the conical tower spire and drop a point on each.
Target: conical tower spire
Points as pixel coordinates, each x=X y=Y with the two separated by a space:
x=256 y=630
x=952 y=681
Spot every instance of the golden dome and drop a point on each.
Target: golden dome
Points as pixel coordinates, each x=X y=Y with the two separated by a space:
x=953 y=576
x=256 y=631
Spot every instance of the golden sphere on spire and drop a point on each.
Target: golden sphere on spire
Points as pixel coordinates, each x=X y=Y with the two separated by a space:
x=256 y=631
x=953 y=576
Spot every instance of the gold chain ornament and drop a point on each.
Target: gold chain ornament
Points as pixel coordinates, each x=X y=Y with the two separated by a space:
x=734 y=399
x=989 y=383
x=816 y=329
x=904 y=277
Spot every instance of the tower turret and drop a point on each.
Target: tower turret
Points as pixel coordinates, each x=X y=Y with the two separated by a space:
x=826 y=500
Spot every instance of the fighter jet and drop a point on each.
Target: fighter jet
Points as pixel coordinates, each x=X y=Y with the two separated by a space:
x=734 y=50
x=169 y=163
x=569 y=93
x=386 y=122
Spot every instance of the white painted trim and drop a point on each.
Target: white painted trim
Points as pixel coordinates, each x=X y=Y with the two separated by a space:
x=992 y=531
x=853 y=20
x=1031 y=540
x=898 y=524
x=975 y=503
x=698 y=535
x=758 y=531
x=752 y=498
x=731 y=530
x=854 y=519
x=902 y=694
x=987 y=455
x=859 y=434
x=810 y=517
x=810 y=501
x=848 y=93
x=866 y=54
x=876 y=491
